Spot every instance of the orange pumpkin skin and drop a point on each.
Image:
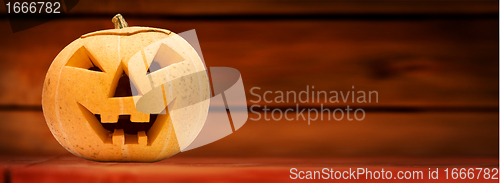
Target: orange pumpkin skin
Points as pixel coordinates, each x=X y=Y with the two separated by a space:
x=73 y=96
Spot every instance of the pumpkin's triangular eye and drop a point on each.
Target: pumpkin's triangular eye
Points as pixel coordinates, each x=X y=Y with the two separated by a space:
x=95 y=68
x=164 y=57
x=83 y=59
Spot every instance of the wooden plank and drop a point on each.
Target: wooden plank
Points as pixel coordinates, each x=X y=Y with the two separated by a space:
x=72 y=169
x=26 y=133
x=409 y=63
x=379 y=134
x=200 y=7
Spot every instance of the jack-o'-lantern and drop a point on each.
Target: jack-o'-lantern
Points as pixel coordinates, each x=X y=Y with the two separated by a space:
x=93 y=88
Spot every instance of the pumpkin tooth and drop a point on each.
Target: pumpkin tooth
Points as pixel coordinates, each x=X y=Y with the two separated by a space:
x=142 y=138
x=139 y=117
x=118 y=137
x=108 y=118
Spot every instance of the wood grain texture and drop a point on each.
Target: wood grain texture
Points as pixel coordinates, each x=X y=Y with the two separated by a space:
x=410 y=63
x=26 y=133
x=440 y=57
x=379 y=135
x=70 y=168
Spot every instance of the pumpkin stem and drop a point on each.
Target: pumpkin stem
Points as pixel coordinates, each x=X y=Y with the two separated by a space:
x=119 y=21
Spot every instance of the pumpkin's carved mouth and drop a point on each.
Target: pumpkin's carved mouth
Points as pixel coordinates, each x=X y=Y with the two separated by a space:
x=128 y=126
x=125 y=131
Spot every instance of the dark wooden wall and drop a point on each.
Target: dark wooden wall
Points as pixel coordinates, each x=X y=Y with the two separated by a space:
x=434 y=64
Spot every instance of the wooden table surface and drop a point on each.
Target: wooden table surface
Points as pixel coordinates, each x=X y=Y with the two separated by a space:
x=68 y=168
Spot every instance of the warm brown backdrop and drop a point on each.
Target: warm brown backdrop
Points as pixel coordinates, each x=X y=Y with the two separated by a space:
x=434 y=64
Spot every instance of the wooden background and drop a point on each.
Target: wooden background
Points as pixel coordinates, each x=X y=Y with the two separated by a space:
x=433 y=63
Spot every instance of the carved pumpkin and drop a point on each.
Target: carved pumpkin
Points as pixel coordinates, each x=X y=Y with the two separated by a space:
x=94 y=86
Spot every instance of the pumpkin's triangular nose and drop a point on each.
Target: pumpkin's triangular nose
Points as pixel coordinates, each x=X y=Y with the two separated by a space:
x=124 y=88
